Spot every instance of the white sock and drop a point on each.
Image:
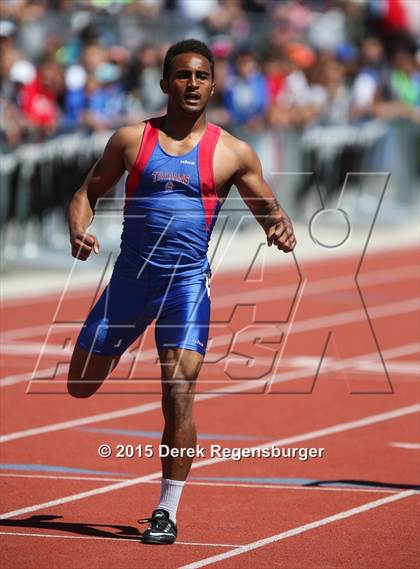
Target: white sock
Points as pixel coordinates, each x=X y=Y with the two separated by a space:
x=170 y=494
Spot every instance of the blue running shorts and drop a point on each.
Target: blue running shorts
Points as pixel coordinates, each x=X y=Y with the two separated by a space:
x=179 y=304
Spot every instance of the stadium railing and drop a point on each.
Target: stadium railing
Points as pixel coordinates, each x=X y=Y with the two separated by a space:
x=38 y=180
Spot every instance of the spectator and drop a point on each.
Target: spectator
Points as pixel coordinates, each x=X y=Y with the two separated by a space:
x=11 y=129
x=105 y=107
x=336 y=110
x=228 y=17
x=328 y=105
x=372 y=75
x=92 y=56
x=217 y=111
x=327 y=29
x=143 y=79
x=275 y=70
x=311 y=76
x=197 y=11
x=297 y=98
x=246 y=93
x=40 y=99
x=76 y=97
x=405 y=79
x=397 y=95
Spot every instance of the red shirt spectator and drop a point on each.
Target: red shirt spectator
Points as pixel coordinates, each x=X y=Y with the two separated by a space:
x=38 y=99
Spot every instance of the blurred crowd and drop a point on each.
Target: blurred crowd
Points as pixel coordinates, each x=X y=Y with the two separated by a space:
x=92 y=65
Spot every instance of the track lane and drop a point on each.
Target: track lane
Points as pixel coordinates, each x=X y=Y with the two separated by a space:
x=209 y=410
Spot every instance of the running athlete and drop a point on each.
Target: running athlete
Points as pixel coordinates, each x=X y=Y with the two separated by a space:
x=180 y=171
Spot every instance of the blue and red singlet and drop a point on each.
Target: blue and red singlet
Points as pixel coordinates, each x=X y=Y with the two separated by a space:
x=162 y=272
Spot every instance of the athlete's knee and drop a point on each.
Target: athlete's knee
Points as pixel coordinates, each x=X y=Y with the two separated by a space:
x=80 y=389
x=84 y=386
x=180 y=369
x=177 y=401
x=87 y=372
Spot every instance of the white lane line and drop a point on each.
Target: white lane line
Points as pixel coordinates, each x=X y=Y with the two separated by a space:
x=381 y=311
x=120 y=539
x=391 y=353
x=298 y=530
x=299 y=326
x=333 y=429
x=248 y=385
x=79 y=288
x=319 y=286
x=301 y=362
x=297 y=361
x=24 y=376
x=282 y=291
x=144 y=408
x=408 y=446
x=81 y=495
x=26 y=332
x=304 y=363
x=213 y=483
x=402 y=368
x=290 y=487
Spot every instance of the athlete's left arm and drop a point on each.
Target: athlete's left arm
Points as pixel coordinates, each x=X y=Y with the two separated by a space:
x=261 y=201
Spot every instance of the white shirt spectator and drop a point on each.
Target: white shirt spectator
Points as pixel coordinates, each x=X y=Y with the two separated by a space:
x=363 y=92
x=298 y=92
x=327 y=31
x=197 y=10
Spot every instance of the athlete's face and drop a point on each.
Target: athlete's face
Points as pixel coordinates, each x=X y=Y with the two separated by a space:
x=190 y=83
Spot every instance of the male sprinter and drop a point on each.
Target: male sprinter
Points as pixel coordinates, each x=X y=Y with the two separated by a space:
x=180 y=171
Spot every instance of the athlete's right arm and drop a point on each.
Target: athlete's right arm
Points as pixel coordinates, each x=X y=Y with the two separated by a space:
x=103 y=176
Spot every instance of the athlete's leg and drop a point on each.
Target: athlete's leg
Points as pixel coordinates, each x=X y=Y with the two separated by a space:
x=116 y=320
x=88 y=371
x=181 y=337
x=180 y=368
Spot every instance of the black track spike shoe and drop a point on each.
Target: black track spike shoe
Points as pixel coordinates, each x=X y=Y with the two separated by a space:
x=161 y=531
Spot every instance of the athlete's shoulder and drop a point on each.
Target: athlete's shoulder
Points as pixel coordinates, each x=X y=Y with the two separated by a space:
x=127 y=135
x=234 y=144
x=237 y=149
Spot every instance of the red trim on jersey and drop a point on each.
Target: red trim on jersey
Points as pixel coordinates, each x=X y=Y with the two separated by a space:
x=205 y=168
x=148 y=142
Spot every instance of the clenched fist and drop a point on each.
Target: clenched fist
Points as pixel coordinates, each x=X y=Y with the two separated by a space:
x=82 y=245
x=282 y=235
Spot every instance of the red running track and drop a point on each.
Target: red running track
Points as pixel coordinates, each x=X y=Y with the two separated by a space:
x=264 y=383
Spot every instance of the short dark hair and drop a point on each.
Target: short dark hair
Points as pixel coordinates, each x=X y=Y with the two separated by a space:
x=187 y=46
